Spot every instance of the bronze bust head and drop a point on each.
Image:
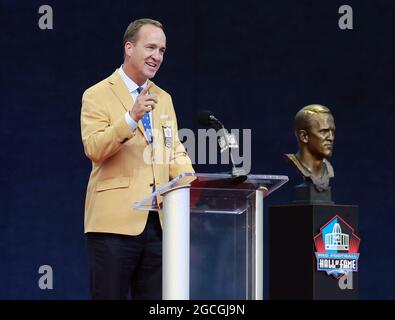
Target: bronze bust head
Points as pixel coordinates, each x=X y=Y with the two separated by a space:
x=315 y=132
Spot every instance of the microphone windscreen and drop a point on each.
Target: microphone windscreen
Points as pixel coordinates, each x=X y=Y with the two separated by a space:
x=204 y=117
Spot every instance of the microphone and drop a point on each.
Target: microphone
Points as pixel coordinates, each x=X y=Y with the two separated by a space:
x=227 y=141
x=207 y=119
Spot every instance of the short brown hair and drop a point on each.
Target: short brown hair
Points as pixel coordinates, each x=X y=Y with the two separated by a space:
x=134 y=27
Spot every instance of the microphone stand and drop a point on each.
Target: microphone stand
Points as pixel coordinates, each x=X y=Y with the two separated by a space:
x=238 y=174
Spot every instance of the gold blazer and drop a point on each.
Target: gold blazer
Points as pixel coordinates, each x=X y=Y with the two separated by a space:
x=124 y=164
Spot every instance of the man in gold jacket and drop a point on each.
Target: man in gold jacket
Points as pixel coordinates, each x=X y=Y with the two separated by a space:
x=129 y=131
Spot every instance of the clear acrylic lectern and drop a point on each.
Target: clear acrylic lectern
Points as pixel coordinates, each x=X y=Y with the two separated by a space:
x=212 y=235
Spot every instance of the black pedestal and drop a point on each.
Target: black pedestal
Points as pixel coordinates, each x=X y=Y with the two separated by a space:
x=293 y=266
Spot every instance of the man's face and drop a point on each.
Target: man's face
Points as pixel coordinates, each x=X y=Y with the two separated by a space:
x=146 y=53
x=321 y=136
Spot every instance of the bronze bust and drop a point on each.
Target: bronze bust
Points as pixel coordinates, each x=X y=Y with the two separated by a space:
x=315 y=132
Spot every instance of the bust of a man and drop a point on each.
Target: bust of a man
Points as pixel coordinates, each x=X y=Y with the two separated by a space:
x=315 y=132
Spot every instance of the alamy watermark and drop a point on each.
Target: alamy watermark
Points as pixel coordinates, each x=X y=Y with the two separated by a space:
x=346 y=281
x=45 y=281
x=46 y=20
x=202 y=148
x=346 y=20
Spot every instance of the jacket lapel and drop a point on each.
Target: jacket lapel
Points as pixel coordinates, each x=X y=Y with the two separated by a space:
x=121 y=91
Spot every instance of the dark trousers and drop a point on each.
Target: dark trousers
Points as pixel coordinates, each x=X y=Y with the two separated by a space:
x=119 y=264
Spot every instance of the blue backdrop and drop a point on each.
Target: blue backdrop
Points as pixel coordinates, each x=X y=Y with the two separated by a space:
x=255 y=63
